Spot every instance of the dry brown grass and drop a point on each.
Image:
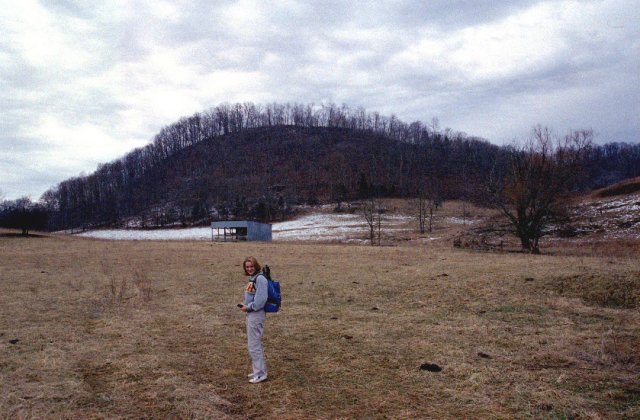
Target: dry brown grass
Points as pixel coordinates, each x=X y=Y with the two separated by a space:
x=150 y=329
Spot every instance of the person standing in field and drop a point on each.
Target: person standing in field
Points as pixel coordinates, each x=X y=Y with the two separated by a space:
x=255 y=297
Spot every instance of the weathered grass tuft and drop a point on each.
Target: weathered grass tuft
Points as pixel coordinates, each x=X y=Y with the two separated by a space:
x=143 y=286
x=120 y=279
x=604 y=289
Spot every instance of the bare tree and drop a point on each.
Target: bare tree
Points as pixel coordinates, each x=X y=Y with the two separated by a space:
x=538 y=174
x=422 y=213
x=427 y=205
x=429 y=199
x=372 y=212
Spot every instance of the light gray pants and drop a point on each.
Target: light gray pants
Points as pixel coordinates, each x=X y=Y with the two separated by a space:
x=255 y=329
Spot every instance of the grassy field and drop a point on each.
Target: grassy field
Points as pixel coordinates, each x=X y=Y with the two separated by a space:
x=98 y=329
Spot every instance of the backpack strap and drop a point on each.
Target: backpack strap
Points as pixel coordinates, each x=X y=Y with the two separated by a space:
x=256 y=278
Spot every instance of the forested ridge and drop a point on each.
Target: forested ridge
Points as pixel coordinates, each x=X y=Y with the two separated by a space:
x=247 y=160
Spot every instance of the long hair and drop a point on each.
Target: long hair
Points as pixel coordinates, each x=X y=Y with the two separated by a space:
x=255 y=262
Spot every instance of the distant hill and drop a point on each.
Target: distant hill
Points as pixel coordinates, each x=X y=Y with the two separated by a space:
x=622 y=188
x=263 y=173
x=260 y=162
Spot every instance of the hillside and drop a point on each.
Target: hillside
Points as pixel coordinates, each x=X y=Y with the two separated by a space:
x=606 y=220
x=260 y=162
x=609 y=213
x=263 y=173
x=628 y=186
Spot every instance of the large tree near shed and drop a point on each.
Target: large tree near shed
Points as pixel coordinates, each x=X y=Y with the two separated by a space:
x=537 y=174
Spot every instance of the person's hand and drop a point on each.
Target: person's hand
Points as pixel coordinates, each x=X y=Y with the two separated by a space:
x=243 y=308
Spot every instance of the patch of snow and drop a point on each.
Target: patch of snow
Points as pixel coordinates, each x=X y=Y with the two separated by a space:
x=191 y=234
x=396 y=218
x=320 y=227
x=460 y=220
x=133 y=223
x=313 y=227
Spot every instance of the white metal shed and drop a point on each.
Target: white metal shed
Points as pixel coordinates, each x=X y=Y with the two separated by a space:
x=240 y=230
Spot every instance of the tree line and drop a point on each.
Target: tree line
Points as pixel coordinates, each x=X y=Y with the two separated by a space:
x=259 y=161
x=229 y=161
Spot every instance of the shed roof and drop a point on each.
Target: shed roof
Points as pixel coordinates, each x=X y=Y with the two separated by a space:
x=226 y=224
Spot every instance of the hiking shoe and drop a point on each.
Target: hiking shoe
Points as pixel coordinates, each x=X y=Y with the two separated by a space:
x=250 y=375
x=258 y=379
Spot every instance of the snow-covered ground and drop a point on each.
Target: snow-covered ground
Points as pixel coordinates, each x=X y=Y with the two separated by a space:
x=323 y=227
x=460 y=220
x=191 y=234
x=616 y=217
x=312 y=227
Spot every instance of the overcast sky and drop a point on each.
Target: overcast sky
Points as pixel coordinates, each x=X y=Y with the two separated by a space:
x=82 y=84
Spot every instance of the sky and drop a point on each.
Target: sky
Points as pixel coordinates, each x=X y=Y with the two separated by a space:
x=83 y=83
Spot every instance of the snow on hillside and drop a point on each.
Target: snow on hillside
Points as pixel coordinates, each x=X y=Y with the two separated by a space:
x=192 y=234
x=615 y=217
x=315 y=227
x=323 y=226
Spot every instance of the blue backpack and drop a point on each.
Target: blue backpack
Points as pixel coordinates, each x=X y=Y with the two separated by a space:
x=274 y=297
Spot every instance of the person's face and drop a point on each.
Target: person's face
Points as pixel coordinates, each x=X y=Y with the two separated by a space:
x=249 y=268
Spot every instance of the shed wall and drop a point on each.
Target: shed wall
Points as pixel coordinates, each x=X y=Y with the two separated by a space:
x=259 y=232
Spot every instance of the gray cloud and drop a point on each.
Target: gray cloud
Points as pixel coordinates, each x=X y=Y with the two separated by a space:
x=82 y=84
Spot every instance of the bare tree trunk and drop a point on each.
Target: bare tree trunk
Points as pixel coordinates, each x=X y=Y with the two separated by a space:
x=379 y=226
x=431 y=217
x=422 y=213
x=370 y=209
